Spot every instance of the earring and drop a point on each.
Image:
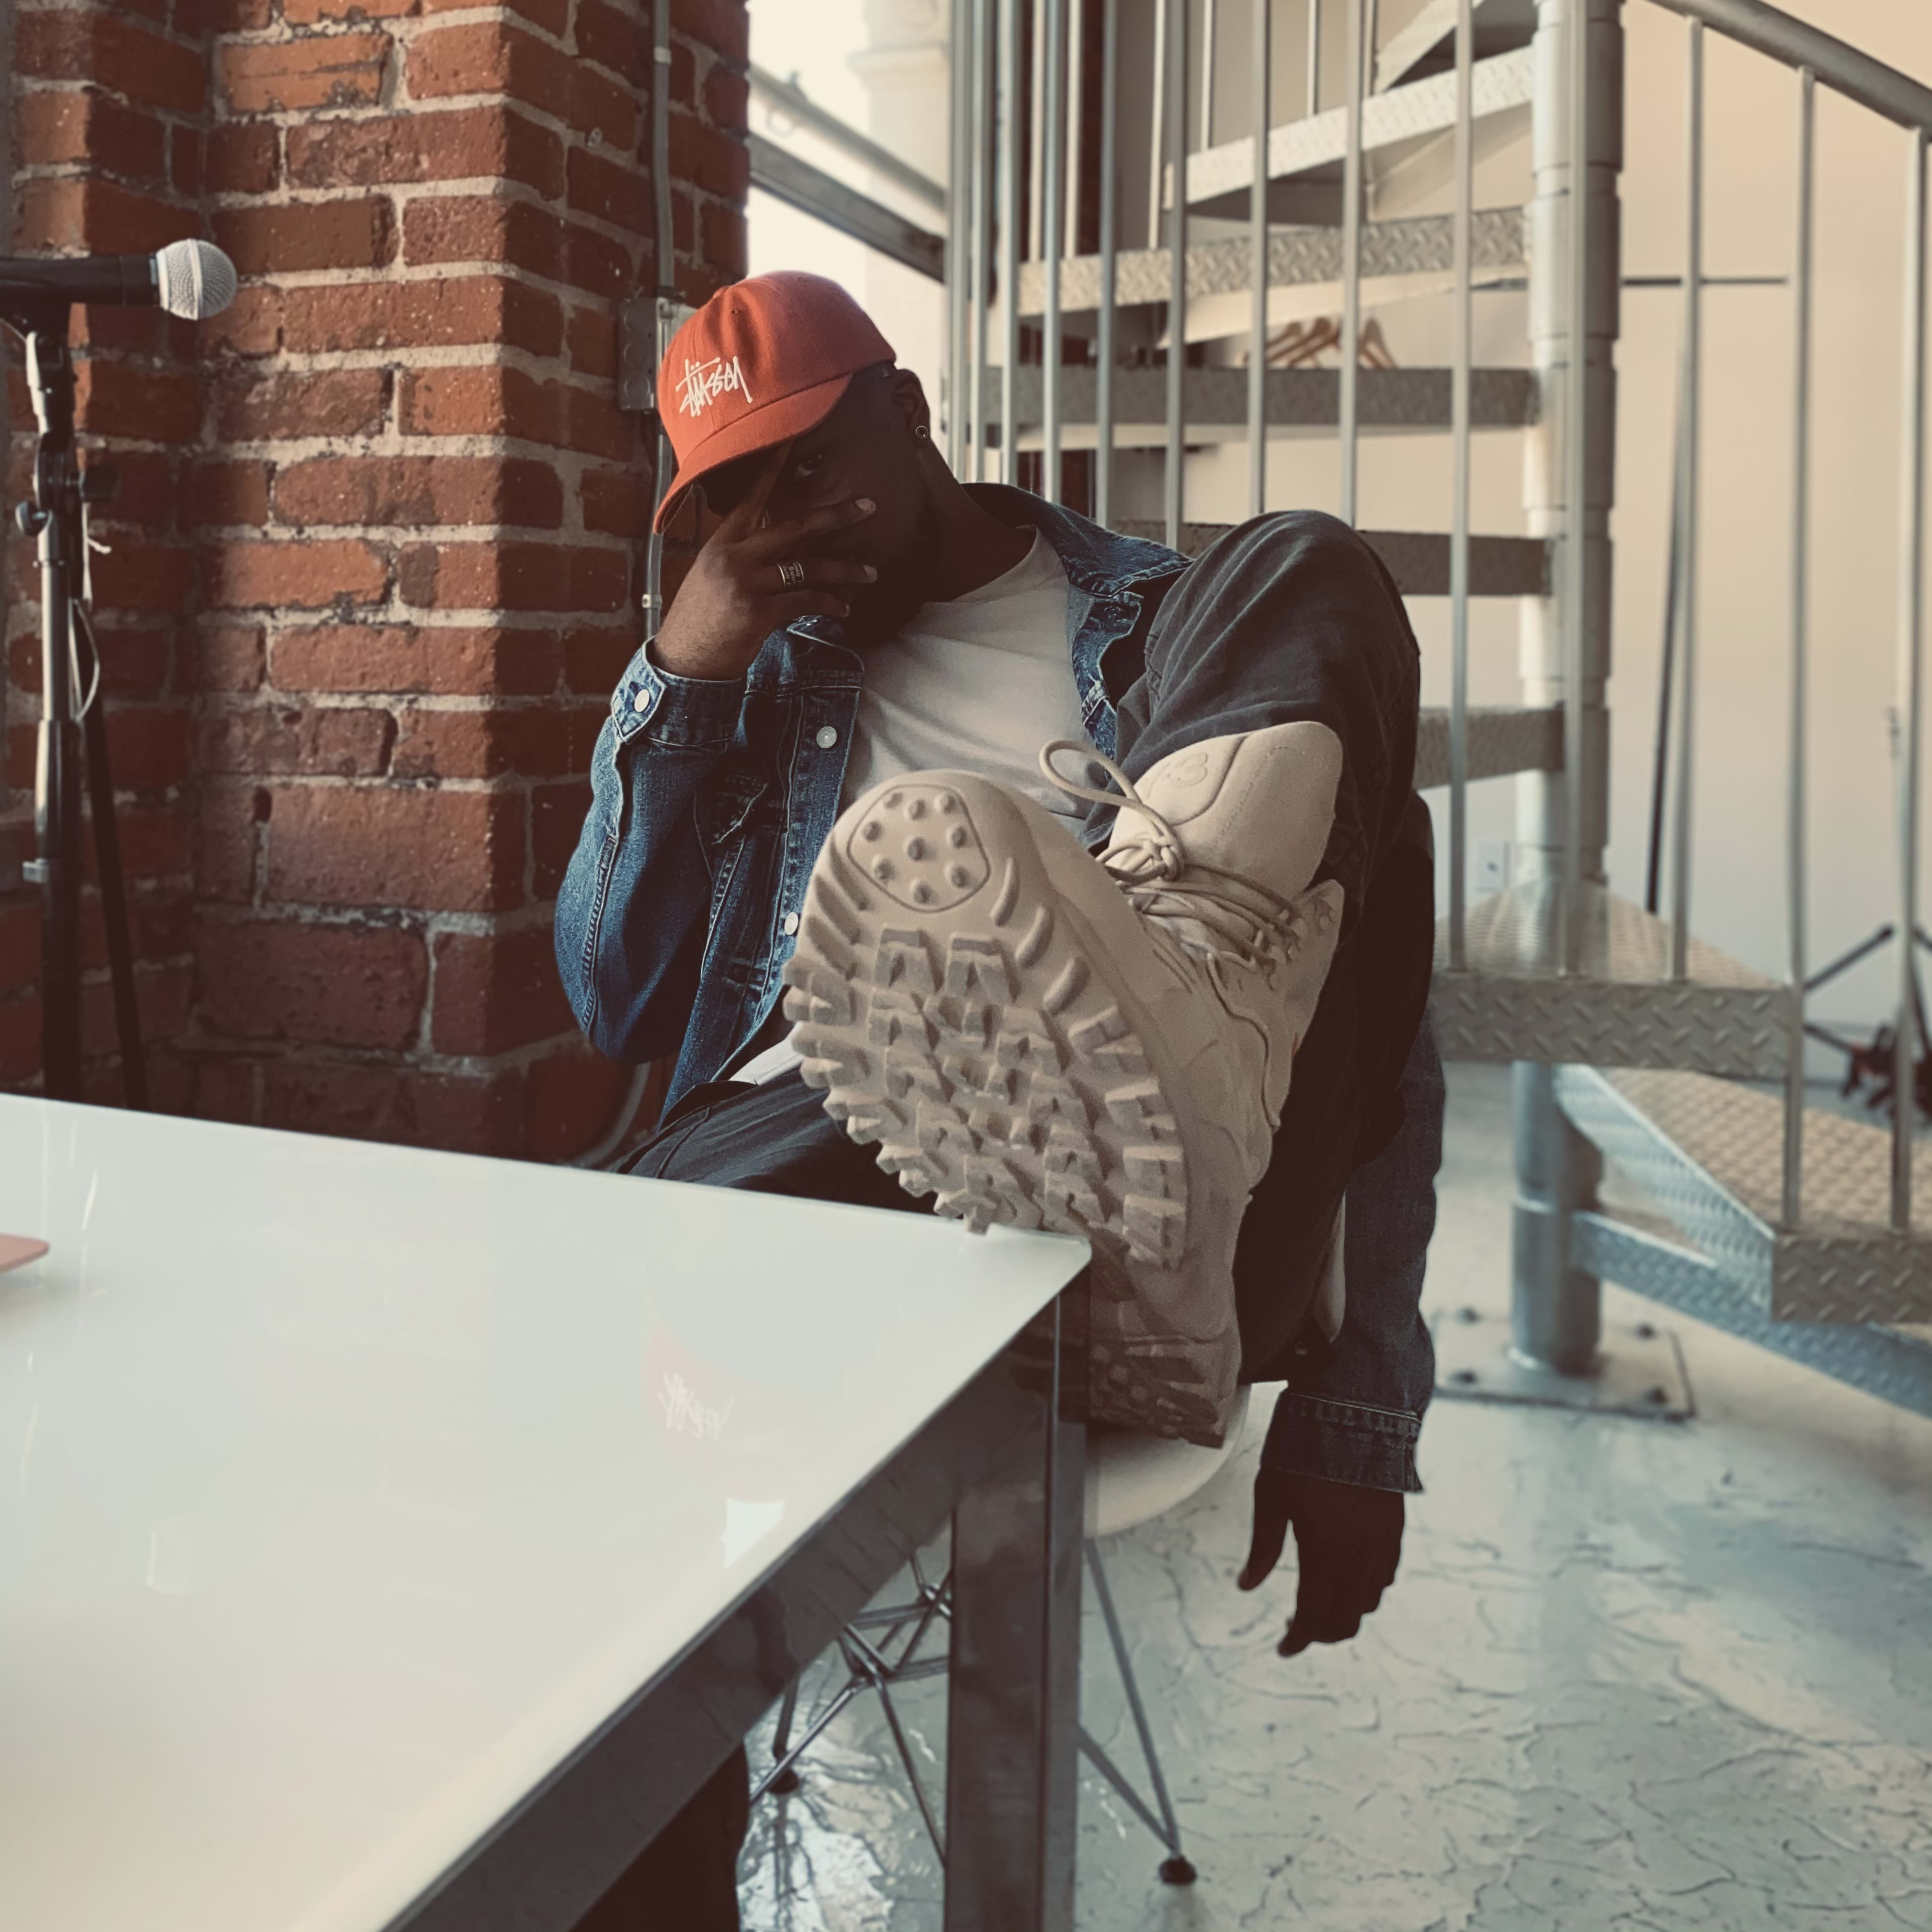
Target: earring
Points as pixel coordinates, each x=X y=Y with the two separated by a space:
x=921 y=432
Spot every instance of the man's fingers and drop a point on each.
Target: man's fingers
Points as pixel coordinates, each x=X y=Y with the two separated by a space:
x=1270 y=1531
x=1328 y=1609
x=746 y=517
x=813 y=572
x=795 y=530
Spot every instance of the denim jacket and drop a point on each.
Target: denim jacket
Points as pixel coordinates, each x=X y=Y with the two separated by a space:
x=710 y=799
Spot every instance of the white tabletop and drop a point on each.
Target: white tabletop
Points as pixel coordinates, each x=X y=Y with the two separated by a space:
x=345 y=1489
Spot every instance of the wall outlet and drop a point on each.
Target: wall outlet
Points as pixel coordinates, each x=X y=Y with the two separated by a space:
x=1493 y=866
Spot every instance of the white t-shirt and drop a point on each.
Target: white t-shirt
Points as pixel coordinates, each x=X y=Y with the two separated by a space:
x=978 y=684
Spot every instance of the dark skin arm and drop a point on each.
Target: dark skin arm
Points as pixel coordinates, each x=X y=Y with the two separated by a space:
x=733 y=597
x=1348 y=1540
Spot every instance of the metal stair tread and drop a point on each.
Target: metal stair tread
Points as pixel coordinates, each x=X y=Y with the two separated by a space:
x=1499 y=25
x=1418 y=560
x=1503 y=81
x=1296 y=399
x=1735 y=1134
x=1502 y=739
x=1298 y=257
x=1512 y=1001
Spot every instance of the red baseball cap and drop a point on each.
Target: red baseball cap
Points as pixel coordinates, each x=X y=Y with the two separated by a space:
x=762 y=362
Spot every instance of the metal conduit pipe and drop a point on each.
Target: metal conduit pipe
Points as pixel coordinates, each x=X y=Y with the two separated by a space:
x=1051 y=86
x=1687 y=531
x=1793 y=1207
x=1011 y=135
x=1104 y=348
x=1176 y=117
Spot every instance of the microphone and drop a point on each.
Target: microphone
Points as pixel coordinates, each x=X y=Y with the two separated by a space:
x=193 y=279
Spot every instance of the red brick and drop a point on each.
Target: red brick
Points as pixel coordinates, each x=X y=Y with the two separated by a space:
x=112 y=400
x=229 y=657
x=513 y=576
x=598 y=262
x=727 y=97
x=184 y=156
x=724 y=25
x=230 y=493
x=239 y=16
x=19 y=1038
x=91 y=129
x=20 y=945
x=226 y=836
x=102 y=47
x=538 y=741
x=571 y=1101
x=147 y=747
x=428 y=314
x=592 y=333
x=317 y=12
x=225 y=1090
x=147 y=490
x=594 y=657
x=414 y=491
x=243 y=158
x=618 y=192
x=251 y=325
x=307 y=235
x=134 y=663
x=249 y=407
x=135 y=576
x=493 y=401
x=442 y=659
x=709 y=158
x=684 y=75
x=480 y=1114
x=495 y=992
x=86 y=212
x=494 y=57
x=433 y=849
x=551 y=15
x=494 y=143
x=617 y=502
x=153 y=839
x=593 y=423
x=615 y=39
x=724 y=240
x=309 y=741
x=483 y=228
x=329 y=984
x=311 y=575
x=325 y=70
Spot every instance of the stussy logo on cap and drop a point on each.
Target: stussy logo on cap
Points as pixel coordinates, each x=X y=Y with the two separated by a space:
x=704 y=382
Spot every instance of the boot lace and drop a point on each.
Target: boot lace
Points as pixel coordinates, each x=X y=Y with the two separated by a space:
x=1260 y=931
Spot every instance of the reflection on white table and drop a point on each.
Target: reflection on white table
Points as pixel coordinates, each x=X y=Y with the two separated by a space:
x=344 y=1489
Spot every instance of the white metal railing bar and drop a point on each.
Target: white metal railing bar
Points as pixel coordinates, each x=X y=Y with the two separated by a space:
x=788 y=98
x=981 y=262
x=958 y=234
x=1793 y=1207
x=1576 y=469
x=1911 y=625
x=1459 y=533
x=1076 y=117
x=1210 y=13
x=1161 y=11
x=1351 y=255
x=1838 y=64
x=1011 y=136
x=1104 y=348
x=1260 y=53
x=1053 y=243
x=1314 y=61
x=1030 y=246
x=1686 y=603
x=1173 y=481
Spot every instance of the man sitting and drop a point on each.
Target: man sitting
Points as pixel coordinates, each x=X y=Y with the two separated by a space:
x=846 y=859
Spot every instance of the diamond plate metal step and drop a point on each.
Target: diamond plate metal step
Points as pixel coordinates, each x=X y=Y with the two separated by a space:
x=1622 y=1008
x=1418 y=560
x=1709 y=1154
x=1503 y=739
x=1414 y=256
x=1214 y=402
x=1427 y=44
x=1314 y=146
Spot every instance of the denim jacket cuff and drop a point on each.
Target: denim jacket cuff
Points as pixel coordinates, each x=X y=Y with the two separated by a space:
x=695 y=711
x=1344 y=1442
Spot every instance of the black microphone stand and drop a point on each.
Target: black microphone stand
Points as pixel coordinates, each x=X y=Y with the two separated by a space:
x=55 y=519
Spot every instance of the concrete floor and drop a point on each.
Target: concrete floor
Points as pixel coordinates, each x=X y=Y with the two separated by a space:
x=1633 y=1674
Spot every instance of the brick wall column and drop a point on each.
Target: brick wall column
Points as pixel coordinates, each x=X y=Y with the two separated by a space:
x=416 y=515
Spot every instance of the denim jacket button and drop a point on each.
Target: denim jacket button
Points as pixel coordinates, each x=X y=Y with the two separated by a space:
x=791 y=922
x=828 y=737
x=642 y=702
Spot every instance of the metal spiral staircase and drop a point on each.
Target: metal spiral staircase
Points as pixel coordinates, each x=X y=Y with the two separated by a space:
x=1788 y=1224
